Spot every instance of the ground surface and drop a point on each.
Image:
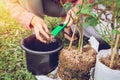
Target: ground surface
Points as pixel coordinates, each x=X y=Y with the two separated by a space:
x=12 y=57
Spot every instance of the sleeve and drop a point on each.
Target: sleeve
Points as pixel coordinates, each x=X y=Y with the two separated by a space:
x=19 y=13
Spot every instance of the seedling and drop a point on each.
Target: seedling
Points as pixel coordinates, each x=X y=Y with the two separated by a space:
x=111 y=33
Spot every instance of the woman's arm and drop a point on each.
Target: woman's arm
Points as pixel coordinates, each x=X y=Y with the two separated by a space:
x=29 y=20
x=19 y=13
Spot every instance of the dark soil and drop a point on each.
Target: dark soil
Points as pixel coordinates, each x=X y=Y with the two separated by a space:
x=106 y=61
x=34 y=44
x=74 y=65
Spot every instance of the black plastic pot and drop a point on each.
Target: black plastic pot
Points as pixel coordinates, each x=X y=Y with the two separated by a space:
x=41 y=58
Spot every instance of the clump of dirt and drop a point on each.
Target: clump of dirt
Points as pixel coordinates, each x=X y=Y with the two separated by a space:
x=74 y=65
x=106 y=61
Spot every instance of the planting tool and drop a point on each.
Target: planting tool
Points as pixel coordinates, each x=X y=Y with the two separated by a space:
x=59 y=28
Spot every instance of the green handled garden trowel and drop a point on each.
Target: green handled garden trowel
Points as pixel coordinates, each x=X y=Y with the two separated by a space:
x=58 y=29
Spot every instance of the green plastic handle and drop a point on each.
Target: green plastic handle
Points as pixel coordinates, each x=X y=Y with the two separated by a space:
x=58 y=29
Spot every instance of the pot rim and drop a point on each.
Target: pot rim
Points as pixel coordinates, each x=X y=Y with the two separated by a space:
x=40 y=52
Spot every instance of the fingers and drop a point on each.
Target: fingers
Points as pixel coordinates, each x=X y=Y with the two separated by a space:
x=36 y=30
x=69 y=14
x=40 y=28
x=67 y=19
x=72 y=16
x=42 y=31
x=46 y=28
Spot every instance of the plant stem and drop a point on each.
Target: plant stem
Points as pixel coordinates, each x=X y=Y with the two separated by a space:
x=80 y=29
x=113 y=21
x=113 y=13
x=71 y=40
x=72 y=37
x=115 y=51
x=80 y=40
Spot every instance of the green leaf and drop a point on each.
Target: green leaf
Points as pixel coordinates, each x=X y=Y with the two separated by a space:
x=90 y=21
x=85 y=25
x=67 y=6
x=116 y=32
x=118 y=3
x=78 y=6
x=88 y=10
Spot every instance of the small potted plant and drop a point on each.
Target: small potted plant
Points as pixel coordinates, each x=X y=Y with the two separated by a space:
x=108 y=61
x=76 y=63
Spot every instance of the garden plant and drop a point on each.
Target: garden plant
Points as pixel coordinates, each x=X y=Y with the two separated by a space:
x=75 y=63
x=110 y=33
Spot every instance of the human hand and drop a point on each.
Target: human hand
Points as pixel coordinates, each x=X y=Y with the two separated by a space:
x=67 y=31
x=71 y=15
x=40 y=28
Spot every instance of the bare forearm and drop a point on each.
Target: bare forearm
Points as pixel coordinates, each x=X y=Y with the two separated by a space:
x=22 y=15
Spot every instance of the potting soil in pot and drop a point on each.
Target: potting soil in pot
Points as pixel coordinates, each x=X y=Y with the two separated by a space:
x=36 y=45
x=107 y=60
